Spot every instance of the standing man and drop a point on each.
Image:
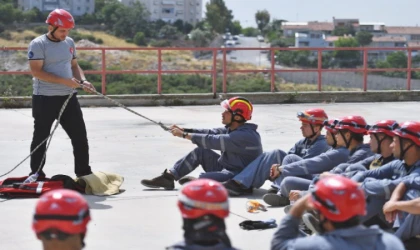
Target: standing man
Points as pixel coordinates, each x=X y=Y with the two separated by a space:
x=56 y=75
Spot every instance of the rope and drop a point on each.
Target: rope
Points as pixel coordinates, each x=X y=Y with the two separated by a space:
x=58 y=122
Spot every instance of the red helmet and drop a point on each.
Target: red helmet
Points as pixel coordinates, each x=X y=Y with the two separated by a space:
x=409 y=130
x=60 y=18
x=202 y=197
x=313 y=116
x=330 y=125
x=239 y=106
x=355 y=124
x=384 y=126
x=338 y=198
x=62 y=209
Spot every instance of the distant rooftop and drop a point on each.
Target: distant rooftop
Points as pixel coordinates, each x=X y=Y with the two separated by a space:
x=403 y=30
x=389 y=39
x=314 y=25
x=371 y=23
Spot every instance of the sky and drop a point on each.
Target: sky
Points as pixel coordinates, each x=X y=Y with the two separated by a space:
x=390 y=12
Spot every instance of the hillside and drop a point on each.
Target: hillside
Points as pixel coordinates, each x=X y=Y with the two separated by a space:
x=139 y=60
x=136 y=60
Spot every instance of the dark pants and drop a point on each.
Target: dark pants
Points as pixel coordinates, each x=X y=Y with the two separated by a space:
x=45 y=110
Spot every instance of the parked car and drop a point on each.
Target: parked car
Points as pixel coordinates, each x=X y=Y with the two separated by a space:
x=260 y=38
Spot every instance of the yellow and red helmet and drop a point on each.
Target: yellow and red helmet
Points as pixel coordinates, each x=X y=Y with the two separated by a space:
x=313 y=116
x=239 y=106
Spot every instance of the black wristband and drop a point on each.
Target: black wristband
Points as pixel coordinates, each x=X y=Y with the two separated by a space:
x=82 y=81
x=188 y=130
x=184 y=134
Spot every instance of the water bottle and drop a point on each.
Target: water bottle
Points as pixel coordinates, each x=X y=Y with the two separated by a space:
x=31 y=179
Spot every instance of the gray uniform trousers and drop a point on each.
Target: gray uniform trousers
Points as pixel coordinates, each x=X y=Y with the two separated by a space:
x=294 y=183
x=408 y=224
x=208 y=159
x=258 y=171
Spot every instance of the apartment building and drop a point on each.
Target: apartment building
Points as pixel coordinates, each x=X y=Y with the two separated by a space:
x=411 y=33
x=75 y=7
x=189 y=11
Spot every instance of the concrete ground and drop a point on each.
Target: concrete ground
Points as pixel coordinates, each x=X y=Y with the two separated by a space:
x=123 y=143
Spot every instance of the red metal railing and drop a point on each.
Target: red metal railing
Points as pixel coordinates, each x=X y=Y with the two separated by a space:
x=365 y=70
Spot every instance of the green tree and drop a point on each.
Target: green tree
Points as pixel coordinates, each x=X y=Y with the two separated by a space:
x=179 y=24
x=200 y=38
x=40 y=16
x=110 y=13
x=347 y=58
x=250 y=31
x=218 y=16
x=139 y=39
x=397 y=60
x=168 y=32
x=262 y=18
x=87 y=19
x=364 y=38
x=188 y=28
x=236 y=28
x=344 y=30
x=154 y=27
x=274 y=30
x=283 y=42
x=130 y=20
x=9 y=14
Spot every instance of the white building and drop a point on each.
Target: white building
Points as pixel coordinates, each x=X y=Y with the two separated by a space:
x=190 y=11
x=75 y=7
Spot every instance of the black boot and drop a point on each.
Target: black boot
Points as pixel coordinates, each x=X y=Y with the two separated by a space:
x=186 y=179
x=236 y=189
x=166 y=181
x=276 y=200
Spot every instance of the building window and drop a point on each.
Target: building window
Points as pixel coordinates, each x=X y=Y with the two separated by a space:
x=179 y=11
x=303 y=44
x=156 y=2
x=78 y=8
x=180 y=3
x=87 y=9
x=168 y=10
x=415 y=37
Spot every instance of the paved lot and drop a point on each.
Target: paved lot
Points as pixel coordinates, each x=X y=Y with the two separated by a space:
x=123 y=143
